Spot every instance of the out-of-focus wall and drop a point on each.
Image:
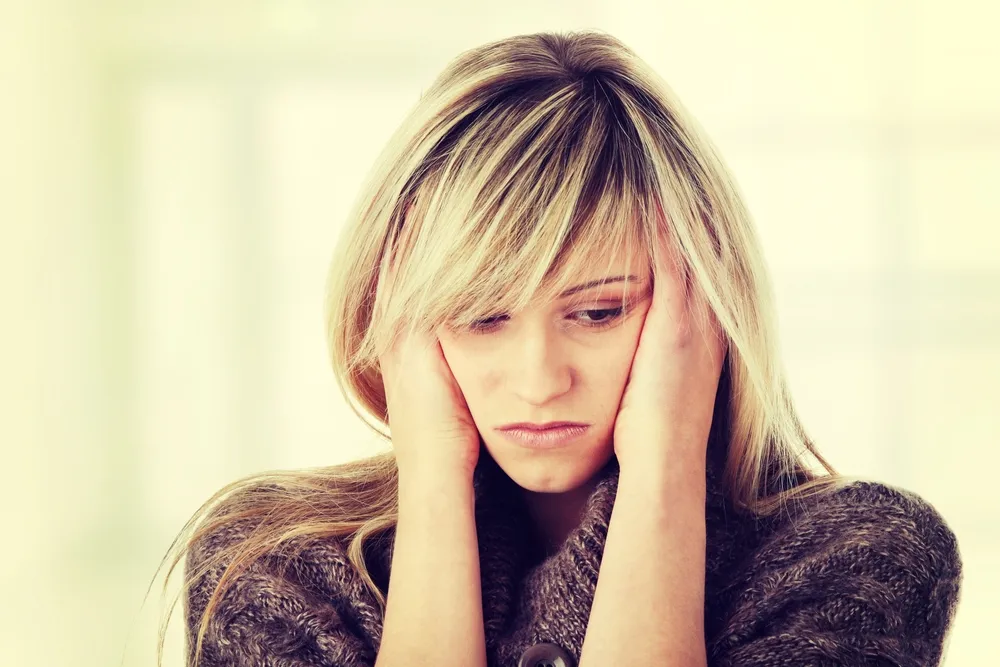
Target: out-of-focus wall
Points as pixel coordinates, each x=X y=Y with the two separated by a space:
x=173 y=176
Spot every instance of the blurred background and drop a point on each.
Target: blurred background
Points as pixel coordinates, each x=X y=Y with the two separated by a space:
x=173 y=176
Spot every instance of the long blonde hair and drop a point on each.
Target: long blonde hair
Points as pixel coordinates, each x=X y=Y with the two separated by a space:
x=527 y=158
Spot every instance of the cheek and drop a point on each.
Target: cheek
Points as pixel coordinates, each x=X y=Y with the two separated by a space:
x=605 y=368
x=459 y=358
x=623 y=360
x=618 y=359
x=471 y=366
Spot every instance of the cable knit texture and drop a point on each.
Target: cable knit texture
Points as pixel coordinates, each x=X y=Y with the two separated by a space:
x=867 y=576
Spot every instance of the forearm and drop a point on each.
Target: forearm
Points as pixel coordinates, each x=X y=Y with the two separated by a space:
x=649 y=604
x=434 y=612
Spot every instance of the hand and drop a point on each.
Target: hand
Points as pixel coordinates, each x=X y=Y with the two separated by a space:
x=665 y=414
x=432 y=428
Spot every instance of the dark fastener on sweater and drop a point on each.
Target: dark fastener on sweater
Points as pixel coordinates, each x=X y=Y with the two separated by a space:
x=546 y=655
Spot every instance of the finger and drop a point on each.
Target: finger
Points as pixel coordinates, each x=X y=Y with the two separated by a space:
x=666 y=275
x=682 y=301
x=671 y=290
x=707 y=326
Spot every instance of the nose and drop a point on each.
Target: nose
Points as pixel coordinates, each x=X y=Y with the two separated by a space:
x=538 y=372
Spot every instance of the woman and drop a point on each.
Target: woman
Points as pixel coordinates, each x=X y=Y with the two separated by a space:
x=549 y=237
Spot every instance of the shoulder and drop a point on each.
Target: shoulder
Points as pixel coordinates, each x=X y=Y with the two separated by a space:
x=863 y=514
x=867 y=570
x=298 y=603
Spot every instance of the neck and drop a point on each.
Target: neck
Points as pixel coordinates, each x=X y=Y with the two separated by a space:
x=555 y=515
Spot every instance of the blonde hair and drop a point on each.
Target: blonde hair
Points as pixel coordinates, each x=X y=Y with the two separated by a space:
x=526 y=160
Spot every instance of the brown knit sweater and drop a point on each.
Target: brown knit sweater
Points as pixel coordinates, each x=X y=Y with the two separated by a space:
x=867 y=576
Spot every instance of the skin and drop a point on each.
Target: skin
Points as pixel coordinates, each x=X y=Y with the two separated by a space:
x=650 y=597
x=547 y=363
x=649 y=381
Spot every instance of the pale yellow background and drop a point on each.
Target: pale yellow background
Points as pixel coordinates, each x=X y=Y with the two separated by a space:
x=173 y=176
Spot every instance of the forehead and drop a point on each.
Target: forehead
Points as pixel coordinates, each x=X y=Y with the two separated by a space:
x=630 y=270
x=605 y=261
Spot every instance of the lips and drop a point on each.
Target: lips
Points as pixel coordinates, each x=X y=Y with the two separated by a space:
x=549 y=436
x=547 y=426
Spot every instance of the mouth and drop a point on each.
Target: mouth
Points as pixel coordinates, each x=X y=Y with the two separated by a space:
x=530 y=426
x=559 y=435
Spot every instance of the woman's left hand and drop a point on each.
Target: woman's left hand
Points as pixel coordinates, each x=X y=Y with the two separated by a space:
x=665 y=414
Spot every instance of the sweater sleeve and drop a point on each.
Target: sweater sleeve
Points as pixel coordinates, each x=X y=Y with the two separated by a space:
x=296 y=613
x=867 y=576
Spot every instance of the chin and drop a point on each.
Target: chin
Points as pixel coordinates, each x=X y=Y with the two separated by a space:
x=554 y=474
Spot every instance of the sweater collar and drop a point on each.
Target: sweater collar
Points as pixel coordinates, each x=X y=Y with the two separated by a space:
x=528 y=599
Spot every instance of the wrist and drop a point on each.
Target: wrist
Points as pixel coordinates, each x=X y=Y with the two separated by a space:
x=676 y=475
x=428 y=480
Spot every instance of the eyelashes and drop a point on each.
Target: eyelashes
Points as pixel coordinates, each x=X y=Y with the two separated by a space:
x=601 y=318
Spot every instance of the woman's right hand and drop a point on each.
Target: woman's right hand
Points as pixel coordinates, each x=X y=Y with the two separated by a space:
x=432 y=430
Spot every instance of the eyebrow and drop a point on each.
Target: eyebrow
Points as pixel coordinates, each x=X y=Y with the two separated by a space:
x=596 y=283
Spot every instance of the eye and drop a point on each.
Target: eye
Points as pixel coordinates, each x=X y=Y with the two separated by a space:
x=603 y=317
x=600 y=318
x=487 y=323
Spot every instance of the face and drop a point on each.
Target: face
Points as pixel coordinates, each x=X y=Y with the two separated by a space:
x=566 y=360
